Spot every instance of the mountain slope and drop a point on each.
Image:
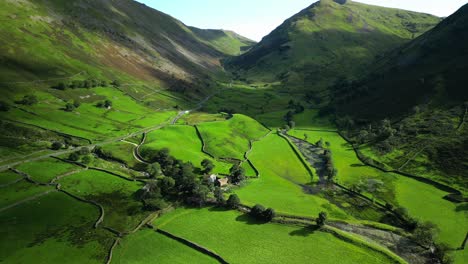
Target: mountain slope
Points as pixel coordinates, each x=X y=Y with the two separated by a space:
x=430 y=69
x=123 y=39
x=327 y=40
x=227 y=42
x=421 y=89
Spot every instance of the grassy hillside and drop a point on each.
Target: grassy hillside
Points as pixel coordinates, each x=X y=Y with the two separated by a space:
x=102 y=39
x=225 y=41
x=328 y=40
x=421 y=89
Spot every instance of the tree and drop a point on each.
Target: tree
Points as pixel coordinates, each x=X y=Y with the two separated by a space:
x=4 y=107
x=116 y=83
x=233 y=201
x=321 y=219
x=319 y=143
x=289 y=116
x=74 y=156
x=56 y=145
x=103 y=83
x=108 y=104
x=76 y=104
x=86 y=160
x=257 y=211
x=84 y=151
x=207 y=165
x=154 y=170
x=269 y=214
x=166 y=184
x=61 y=86
x=219 y=196
x=237 y=174
x=306 y=137
x=425 y=233
x=292 y=124
x=69 y=107
x=28 y=100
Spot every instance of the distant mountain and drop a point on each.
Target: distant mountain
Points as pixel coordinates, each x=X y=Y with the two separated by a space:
x=225 y=41
x=432 y=69
x=118 y=39
x=328 y=40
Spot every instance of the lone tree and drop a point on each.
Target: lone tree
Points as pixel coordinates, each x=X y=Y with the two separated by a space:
x=269 y=214
x=237 y=174
x=108 y=104
x=233 y=201
x=28 y=100
x=219 y=196
x=321 y=219
x=69 y=107
x=74 y=156
x=207 y=165
x=56 y=145
x=257 y=211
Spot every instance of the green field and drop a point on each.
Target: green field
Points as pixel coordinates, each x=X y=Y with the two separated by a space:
x=47 y=169
x=20 y=191
x=147 y=246
x=122 y=211
x=408 y=193
x=281 y=177
x=184 y=144
x=52 y=229
x=261 y=243
x=230 y=139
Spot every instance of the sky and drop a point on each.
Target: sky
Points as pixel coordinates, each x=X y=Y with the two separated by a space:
x=256 y=18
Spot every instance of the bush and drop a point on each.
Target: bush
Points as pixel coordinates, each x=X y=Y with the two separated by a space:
x=4 y=107
x=233 y=201
x=56 y=145
x=74 y=156
x=28 y=100
x=86 y=160
x=321 y=219
x=69 y=107
x=257 y=211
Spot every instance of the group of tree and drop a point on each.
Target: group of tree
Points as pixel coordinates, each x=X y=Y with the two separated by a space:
x=89 y=83
x=104 y=104
x=82 y=155
x=175 y=179
x=260 y=213
x=70 y=107
x=236 y=174
x=28 y=100
x=296 y=106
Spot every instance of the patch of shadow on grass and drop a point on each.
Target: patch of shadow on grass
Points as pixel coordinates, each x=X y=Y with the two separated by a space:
x=218 y=209
x=358 y=165
x=462 y=207
x=249 y=220
x=305 y=231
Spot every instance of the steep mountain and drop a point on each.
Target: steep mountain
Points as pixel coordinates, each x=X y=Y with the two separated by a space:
x=121 y=39
x=431 y=69
x=327 y=40
x=419 y=91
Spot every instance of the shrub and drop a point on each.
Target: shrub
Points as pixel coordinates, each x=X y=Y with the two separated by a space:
x=233 y=201
x=257 y=211
x=321 y=219
x=28 y=100
x=74 y=156
x=56 y=145
x=69 y=107
x=4 y=107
